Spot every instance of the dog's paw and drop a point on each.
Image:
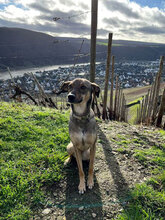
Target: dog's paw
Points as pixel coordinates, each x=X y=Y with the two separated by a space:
x=82 y=188
x=90 y=183
x=67 y=161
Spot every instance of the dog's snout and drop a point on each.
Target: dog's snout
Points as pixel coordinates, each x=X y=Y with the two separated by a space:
x=71 y=98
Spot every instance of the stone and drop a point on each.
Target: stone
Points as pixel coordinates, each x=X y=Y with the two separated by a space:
x=81 y=208
x=94 y=215
x=46 y=211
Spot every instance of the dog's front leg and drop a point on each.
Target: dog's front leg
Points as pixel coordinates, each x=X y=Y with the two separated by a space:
x=81 y=186
x=90 y=182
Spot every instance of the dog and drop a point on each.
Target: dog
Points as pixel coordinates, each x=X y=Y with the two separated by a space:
x=82 y=126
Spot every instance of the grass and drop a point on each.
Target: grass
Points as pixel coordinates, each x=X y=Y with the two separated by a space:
x=133 y=111
x=145 y=203
x=147 y=200
x=32 y=152
x=152 y=156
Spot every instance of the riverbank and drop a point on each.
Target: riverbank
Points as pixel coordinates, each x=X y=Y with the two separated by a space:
x=4 y=75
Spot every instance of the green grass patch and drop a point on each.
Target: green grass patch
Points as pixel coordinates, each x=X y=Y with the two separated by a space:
x=121 y=140
x=122 y=150
x=147 y=200
x=152 y=156
x=145 y=203
x=133 y=111
x=32 y=152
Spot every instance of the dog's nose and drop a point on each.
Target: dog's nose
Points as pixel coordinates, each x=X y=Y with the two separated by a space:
x=71 y=97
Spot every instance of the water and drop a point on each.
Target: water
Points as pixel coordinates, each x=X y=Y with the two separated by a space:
x=5 y=75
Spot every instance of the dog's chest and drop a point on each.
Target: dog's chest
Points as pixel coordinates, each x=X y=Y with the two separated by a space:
x=83 y=139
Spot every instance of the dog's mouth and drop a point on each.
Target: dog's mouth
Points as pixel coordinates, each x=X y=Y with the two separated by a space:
x=72 y=99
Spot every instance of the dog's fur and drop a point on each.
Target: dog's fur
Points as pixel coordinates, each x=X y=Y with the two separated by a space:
x=82 y=126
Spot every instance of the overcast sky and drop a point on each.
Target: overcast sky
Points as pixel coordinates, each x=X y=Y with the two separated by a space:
x=140 y=20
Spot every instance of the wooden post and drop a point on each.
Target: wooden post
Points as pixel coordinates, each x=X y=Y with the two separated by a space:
x=122 y=108
x=145 y=107
x=93 y=38
x=157 y=90
x=138 y=115
x=104 y=116
x=125 y=111
x=141 y=110
x=161 y=110
x=116 y=94
x=149 y=105
x=111 y=91
x=118 y=103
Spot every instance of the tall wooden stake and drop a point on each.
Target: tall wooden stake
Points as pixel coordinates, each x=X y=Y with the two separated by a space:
x=104 y=116
x=93 y=39
x=161 y=110
x=116 y=95
x=111 y=92
x=157 y=90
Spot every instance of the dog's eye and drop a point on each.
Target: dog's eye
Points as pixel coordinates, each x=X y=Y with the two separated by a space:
x=70 y=87
x=83 y=87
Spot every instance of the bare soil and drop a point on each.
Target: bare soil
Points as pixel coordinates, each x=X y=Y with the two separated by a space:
x=115 y=174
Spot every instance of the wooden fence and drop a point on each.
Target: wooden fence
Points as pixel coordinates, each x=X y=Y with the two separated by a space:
x=152 y=107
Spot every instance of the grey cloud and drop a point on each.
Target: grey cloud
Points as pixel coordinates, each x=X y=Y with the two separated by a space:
x=160 y=18
x=121 y=7
x=67 y=2
x=70 y=16
x=151 y=30
x=72 y=27
x=103 y=32
x=115 y=22
x=39 y=7
x=84 y=6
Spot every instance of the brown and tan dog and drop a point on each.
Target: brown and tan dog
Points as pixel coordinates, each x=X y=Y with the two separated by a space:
x=82 y=126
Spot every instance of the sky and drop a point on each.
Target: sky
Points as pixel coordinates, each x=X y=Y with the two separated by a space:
x=138 y=20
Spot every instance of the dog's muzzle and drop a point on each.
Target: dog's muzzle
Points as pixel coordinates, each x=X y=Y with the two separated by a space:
x=71 y=98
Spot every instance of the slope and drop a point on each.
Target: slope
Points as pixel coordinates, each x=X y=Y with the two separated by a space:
x=35 y=183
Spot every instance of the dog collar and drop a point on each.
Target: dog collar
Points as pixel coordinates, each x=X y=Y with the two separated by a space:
x=83 y=117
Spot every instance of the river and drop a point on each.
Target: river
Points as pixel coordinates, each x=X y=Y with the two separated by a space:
x=5 y=75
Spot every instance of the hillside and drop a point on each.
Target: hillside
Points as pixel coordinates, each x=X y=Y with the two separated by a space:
x=129 y=169
x=25 y=48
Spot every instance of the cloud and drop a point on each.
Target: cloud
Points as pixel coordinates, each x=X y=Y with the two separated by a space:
x=128 y=20
x=4 y=1
x=121 y=6
x=67 y=2
x=39 y=7
x=84 y=6
x=152 y=30
x=116 y=22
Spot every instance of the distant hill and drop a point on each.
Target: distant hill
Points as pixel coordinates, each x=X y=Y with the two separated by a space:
x=26 y=48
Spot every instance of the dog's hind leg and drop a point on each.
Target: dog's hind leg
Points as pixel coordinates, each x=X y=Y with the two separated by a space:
x=70 y=150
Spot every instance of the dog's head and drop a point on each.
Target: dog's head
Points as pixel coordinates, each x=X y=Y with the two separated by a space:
x=80 y=90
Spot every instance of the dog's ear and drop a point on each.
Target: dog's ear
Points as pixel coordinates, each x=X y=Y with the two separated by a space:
x=63 y=88
x=95 y=89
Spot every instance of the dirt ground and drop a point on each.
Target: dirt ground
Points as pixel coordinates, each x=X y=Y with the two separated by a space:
x=115 y=174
